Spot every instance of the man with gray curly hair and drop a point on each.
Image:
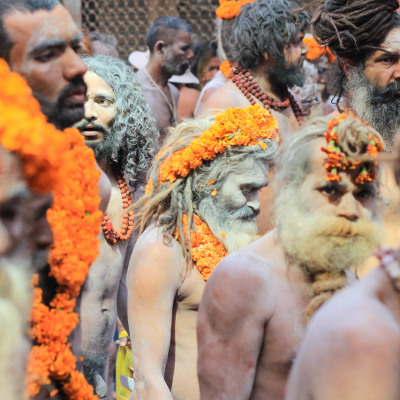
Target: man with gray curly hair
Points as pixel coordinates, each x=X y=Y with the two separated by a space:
x=119 y=127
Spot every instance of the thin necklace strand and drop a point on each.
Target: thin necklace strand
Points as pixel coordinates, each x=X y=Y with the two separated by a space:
x=172 y=106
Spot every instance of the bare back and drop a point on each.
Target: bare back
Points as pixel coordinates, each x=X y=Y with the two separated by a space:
x=230 y=96
x=351 y=349
x=251 y=322
x=163 y=305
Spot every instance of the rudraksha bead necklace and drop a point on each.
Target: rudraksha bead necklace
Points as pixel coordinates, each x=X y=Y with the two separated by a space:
x=111 y=234
x=247 y=84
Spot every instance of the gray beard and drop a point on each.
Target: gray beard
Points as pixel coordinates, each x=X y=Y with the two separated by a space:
x=381 y=110
x=239 y=226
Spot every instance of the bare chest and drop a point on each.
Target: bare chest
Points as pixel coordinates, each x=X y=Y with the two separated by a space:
x=105 y=272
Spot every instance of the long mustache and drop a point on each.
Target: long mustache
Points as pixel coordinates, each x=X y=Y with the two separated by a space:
x=98 y=127
x=390 y=92
x=245 y=213
x=342 y=227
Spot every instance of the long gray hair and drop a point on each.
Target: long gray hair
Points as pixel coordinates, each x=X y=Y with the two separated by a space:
x=134 y=126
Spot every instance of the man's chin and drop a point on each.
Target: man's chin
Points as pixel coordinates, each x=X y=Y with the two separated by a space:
x=67 y=117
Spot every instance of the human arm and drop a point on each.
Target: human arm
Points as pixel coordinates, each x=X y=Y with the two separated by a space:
x=232 y=318
x=153 y=280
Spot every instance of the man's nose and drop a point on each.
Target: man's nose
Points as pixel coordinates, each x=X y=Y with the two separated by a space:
x=349 y=207
x=90 y=110
x=74 y=66
x=190 y=54
x=396 y=71
x=254 y=202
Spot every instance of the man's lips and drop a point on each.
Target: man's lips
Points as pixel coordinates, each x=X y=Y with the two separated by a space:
x=76 y=96
x=91 y=133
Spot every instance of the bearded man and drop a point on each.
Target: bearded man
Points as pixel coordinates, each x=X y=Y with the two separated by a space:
x=119 y=128
x=269 y=49
x=365 y=37
x=258 y=300
x=202 y=203
x=169 y=40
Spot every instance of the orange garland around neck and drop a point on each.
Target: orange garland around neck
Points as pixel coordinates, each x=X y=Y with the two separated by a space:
x=110 y=233
x=207 y=250
x=59 y=162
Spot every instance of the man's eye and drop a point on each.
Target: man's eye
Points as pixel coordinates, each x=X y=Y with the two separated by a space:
x=46 y=56
x=332 y=191
x=104 y=102
x=78 y=48
x=386 y=60
x=365 y=194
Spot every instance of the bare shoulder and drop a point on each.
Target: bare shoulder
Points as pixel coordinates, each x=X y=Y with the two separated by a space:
x=155 y=250
x=222 y=98
x=241 y=282
x=357 y=324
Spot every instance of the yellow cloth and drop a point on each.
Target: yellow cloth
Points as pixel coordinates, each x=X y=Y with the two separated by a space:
x=124 y=361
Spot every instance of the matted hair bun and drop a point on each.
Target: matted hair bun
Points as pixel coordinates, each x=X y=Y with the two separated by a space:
x=351 y=28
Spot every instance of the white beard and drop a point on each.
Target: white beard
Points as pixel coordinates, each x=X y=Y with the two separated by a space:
x=239 y=232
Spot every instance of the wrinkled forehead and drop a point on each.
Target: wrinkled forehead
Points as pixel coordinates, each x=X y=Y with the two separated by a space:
x=252 y=172
x=32 y=29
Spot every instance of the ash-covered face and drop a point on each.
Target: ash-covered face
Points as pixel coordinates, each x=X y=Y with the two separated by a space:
x=100 y=113
x=325 y=223
x=45 y=52
x=234 y=209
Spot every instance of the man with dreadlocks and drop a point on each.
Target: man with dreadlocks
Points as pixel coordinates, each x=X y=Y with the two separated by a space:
x=226 y=17
x=267 y=43
x=365 y=37
x=202 y=203
x=257 y=302
x=119 y=127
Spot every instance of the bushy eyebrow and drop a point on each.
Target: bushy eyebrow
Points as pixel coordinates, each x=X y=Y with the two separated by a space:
x=56 y=42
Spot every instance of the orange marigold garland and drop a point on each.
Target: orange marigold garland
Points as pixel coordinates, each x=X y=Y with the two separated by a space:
x=233 y=127
x=229 y=9
x=337 y=161
x=59 y=162
x=207 y=250
x=225 y=68
x=315 y=50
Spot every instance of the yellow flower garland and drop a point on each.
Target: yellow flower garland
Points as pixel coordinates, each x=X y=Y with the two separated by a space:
x=59 y=162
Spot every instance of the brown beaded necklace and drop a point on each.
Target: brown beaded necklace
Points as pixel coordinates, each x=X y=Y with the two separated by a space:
x=246 y=83
x=111 y=234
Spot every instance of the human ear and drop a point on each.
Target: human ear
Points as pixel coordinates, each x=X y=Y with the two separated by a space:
x=160 y=46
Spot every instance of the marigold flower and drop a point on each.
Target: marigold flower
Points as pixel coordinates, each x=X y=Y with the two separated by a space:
x=59 y=162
